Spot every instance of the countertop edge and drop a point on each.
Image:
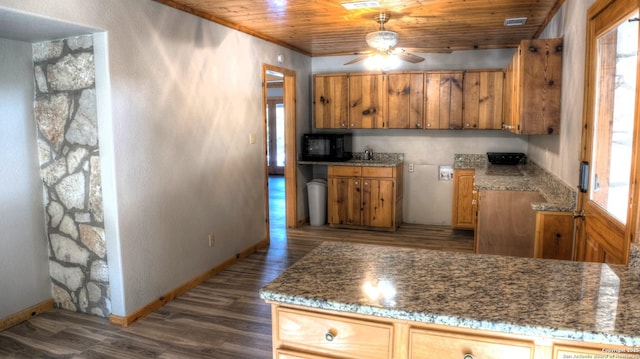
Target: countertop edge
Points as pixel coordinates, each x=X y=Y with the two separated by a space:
x=453 y=321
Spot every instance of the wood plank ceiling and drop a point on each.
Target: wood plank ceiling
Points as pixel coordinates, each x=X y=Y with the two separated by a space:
x=325 y=27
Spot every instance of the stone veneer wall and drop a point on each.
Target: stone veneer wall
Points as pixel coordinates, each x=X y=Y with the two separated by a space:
x=66 y=119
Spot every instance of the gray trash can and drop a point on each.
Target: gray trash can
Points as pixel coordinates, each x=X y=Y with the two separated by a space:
x=317 y=193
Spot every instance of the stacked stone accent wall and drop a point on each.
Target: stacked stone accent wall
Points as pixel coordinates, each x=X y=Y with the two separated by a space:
x=66 y=119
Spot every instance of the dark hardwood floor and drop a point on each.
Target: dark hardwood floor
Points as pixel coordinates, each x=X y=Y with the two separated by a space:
x=221 y=318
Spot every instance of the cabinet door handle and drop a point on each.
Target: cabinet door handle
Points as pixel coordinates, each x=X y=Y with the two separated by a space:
x=468 y=356
x=331 y=334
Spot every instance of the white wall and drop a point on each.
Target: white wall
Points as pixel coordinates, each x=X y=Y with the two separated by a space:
x=182 y=96
x=24 y=268
x=561 y=154
x=426 y=199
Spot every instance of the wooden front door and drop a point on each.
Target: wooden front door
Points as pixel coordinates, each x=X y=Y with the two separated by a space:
x=609 y=141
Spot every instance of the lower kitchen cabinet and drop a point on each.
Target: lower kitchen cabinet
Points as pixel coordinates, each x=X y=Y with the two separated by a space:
x=306 y=333
x=506 y=224
x=463 y=201
x=365 y=196
x=554 y=235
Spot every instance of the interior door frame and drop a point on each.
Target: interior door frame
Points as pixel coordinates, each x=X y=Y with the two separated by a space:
x=630 y=230
x=290 y=166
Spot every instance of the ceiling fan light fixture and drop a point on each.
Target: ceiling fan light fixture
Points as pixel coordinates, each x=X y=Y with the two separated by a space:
x=382 y=62
x=382 y=40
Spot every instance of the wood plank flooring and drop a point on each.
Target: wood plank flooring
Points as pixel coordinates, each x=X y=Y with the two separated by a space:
x=222 y=318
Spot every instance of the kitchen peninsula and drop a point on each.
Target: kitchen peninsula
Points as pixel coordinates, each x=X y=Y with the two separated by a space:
x=355 y=300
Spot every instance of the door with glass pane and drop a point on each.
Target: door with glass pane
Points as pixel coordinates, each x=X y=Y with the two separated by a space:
x=608 y=140
x=275 y=136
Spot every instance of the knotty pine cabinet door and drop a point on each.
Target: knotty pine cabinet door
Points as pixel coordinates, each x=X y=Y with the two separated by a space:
x=377 y=202
x=345 y=201
x=554 y=235
x=443 y=100
x=463 y=197
x=331 y=101
x=404 y=99
x=366 y=100
x=533 y=88
x=482 y=100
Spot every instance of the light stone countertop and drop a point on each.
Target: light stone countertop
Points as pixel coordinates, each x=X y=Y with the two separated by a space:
x=524 y=177
x=544 y=298
x=379 y=160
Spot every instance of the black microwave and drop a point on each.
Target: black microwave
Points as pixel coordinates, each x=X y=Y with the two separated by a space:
x=331 y=147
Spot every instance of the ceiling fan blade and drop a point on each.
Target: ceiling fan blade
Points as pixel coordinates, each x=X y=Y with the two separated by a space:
x=405 y=56
x=359 y=58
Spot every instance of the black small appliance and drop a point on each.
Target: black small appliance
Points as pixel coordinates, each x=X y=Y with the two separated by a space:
x=330 y=147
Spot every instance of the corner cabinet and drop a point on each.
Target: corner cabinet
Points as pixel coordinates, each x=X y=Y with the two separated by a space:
x=365 y=197
x=533 y=88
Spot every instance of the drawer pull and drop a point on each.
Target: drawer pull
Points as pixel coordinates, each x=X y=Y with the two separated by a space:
x=331 y=334
x=468 y=356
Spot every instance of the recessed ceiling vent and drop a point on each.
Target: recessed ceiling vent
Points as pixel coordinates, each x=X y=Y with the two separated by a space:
x=515 y=21
x=360 y=5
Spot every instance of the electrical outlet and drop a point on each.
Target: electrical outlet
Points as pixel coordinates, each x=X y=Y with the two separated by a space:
x=211 y=240
x=410 y=167
x=252 y=138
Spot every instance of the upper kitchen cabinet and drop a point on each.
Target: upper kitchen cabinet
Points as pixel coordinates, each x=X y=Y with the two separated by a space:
x=405 y=97
x=331 y=101
x=443 y=100
x=532 y=88
x=482 y=100
x=366 y=100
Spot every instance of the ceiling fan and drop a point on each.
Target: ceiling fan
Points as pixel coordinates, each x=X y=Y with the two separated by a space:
x=384 y=42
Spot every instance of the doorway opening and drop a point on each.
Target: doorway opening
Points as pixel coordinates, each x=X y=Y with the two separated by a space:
x=280 y=150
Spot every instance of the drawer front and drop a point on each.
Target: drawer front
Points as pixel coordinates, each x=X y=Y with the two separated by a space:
x=386 y=172
x=332 y=335
x=346 y=171
x=426 y=344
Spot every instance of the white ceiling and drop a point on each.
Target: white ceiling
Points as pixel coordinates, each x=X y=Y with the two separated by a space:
x=25 y=27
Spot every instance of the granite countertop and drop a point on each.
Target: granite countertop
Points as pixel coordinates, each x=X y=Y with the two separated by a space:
x=523 y=177
x=535 y=297
x=378 y=160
